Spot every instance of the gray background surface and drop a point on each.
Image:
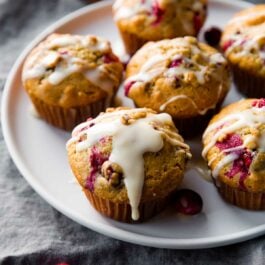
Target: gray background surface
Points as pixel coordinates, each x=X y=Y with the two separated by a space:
x=31 y=231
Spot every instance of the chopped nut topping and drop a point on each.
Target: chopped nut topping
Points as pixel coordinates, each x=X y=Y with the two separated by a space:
x=112 y=172
x=129 y=119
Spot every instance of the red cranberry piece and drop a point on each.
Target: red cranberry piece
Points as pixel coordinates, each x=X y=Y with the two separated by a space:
x=259 y=103
x=241 y=166
x=91 y=124
x=243 y=42
x=247 y=158
x=110 y=58
x=188 y=202
x=96 y=161
x=63 y=52
x=213 y=36
x=158 y=12
x=84 y=129
x=227 y=44
x=176 y=63
x=197 y=22
x=127 y=87
x=231 y=141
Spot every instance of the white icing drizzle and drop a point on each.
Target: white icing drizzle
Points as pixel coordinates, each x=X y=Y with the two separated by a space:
x=252 y=117
x=197 y=6
x=248 y=37
x=64 y=68
x=188 y=25
x=64 y=63
x=129 y=143
x=95 y=77
x=225 y=161
x=121 y=11
x=248 y=44
x=182 y=71
x=146 y=75
x=146 y=72
x=248 y=139
x=163 y=107
x=193 y=103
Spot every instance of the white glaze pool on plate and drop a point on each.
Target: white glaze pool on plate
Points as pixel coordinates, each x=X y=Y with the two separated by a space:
x=38 y=150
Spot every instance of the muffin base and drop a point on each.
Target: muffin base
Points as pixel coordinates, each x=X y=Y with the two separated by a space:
x=248 y=84
x=194 y=126
x=243 y=199
x=67 y=118
x=122 y=212
x=131 y=42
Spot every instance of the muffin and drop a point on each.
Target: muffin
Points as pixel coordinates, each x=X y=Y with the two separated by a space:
x=182 y=77
x=140 y=21
x=129 y=162
x=234 y=148
x=70 y=77
x=243 y=43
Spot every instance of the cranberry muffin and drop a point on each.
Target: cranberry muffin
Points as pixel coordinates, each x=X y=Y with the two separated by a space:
x=71 y=77
x=243 y=43
x=129 y=162
x=234 y=148
x=140 y=21
x=183 y=77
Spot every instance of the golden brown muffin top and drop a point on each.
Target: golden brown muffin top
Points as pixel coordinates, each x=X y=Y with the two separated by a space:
x=160 y=19
x=243 y=40
x=234 y=145
x=182 y=77
x=72 y=70
x=128 y=155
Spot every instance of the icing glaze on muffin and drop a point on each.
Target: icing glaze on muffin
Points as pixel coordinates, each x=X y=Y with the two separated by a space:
x=179 y=72
x=119 y=147
x=243 y=39
x=62 y=56
x=234 y=145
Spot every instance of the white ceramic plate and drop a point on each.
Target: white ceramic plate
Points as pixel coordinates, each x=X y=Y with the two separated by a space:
x=38 y=150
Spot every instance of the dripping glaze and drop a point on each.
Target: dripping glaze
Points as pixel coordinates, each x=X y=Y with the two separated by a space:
x=140 y=136
x=252 y=117
x=64 y=64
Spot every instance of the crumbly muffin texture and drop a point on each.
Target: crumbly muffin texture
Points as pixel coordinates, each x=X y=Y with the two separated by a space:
x=72 y=70
x=182 y=77
x=234 y=145
x=122 y=138
x=243 y=40
x=160 y=19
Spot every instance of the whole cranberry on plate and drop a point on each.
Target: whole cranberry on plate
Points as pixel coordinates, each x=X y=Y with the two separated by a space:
x=188 y=202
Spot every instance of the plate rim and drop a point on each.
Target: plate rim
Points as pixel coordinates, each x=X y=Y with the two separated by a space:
x=115 y=232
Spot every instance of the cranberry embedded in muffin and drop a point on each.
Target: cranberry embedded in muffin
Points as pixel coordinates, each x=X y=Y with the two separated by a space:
x=140 y=21
x=183 y=77
x=128 y=161
x=243 y=43
x=71 y=77
x=234 y=148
